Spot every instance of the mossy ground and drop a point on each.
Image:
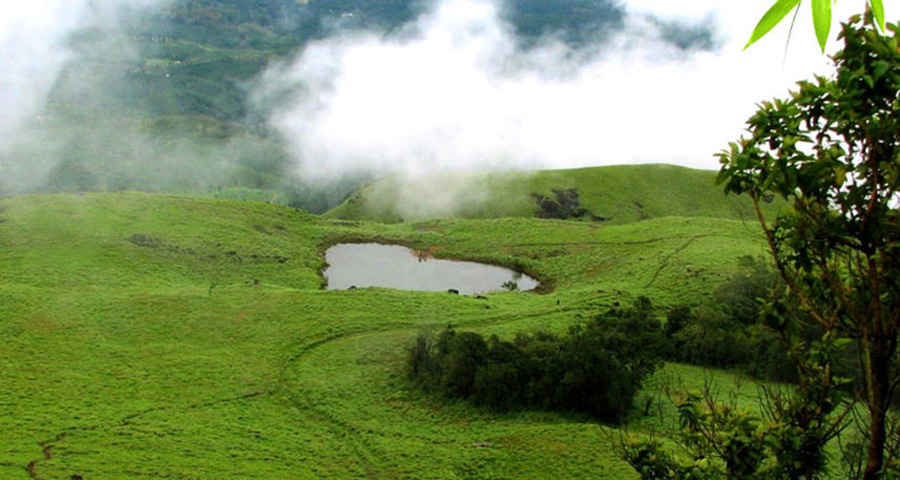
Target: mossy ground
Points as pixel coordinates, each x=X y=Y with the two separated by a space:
x=149 y=336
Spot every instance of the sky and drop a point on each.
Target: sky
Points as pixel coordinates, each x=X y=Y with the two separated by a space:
x=454 y=93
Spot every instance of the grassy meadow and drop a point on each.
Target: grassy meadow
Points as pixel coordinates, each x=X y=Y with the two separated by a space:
x=152 y=336
x=616 y=195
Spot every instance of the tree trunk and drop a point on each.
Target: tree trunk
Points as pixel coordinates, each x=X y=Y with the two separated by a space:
x=878 y=376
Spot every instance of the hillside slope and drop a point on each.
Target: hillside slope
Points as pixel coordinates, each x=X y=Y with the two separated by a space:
x=169 y=337
x=609 y=195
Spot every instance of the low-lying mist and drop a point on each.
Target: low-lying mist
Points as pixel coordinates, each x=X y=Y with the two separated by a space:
x=444 y=86
x=92 y=102
x=454 y=91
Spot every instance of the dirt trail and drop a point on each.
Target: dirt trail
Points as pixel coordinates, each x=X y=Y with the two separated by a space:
x=353 y=434
x=48 y=445
x=46 y=454
x=355 y=437
x=665 y=261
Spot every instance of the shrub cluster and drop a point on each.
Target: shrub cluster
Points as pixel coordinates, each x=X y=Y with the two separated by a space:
x=727 y=333
x=597 y=368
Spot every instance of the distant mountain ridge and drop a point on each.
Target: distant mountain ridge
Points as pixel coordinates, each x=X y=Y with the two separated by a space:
x=610 y=195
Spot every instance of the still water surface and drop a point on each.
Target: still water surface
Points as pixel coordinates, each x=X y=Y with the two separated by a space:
x=393 y=266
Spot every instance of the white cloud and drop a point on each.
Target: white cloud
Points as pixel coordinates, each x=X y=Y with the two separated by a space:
x=34 y=38
x=32 y=54
x=453 y=93
x=34 y=49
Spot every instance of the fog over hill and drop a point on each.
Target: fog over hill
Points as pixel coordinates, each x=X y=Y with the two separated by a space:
x=289 y=97
x=455 y=91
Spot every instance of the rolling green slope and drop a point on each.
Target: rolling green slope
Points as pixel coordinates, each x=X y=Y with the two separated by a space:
x=169 y=337
x=610 y=195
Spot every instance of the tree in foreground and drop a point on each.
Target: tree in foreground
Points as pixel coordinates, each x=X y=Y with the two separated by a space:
x=832 y=151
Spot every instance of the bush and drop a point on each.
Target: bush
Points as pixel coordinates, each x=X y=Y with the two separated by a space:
x=726 y=333
x=596 y=369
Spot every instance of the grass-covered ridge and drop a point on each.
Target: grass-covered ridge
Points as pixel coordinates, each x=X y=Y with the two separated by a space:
x=611 y=195
x=161 y=336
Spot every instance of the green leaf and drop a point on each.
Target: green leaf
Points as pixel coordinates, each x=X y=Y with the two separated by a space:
x=869 y=81
x=771 y=18
x=880 y=67
x=842 y=342
x=821 y=10
x=878 y=10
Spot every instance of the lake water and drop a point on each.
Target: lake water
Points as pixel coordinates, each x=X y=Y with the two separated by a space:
x=393 y=266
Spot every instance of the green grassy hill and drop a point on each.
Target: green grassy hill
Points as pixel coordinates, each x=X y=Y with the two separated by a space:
x=609 y=195
x=170 y=337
